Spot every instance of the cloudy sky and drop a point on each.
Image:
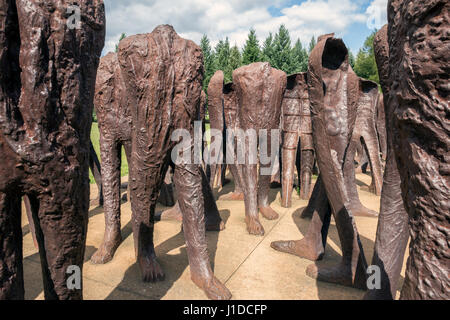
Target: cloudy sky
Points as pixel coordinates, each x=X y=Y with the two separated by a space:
x=351 y=20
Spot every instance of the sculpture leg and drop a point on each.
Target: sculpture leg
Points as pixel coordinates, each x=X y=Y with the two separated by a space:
x=11 y=268
x=354 y=205
x=94 y=164
x=61 y=218
x=249 y=177
x=306 y=173
x=213 y=221
x=318 y=199
x=373 y=153
x=264 y=186
x=392 y=234
x=238 y=194
x=290 y=144
x=111 y=153
x=145 y=185
x=188 y=179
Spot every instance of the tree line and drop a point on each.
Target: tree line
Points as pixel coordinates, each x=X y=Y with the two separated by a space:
x=279 y=51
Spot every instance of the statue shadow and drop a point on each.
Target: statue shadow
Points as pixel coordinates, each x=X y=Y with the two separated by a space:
x=327 y=291
x=361 y=184
x=172 y=256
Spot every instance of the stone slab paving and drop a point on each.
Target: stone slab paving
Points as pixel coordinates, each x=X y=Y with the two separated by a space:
x=247 y=264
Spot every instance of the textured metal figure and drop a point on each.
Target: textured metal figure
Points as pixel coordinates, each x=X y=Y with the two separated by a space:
x=392 y=232
x=259 y=91
x=333 y=90
x=417 y=109
x=47 y=81
x=217 y=123
x=365 y=130
x=223 y=116
x=114 y=123
x=163 y=75
x=230 y=107
x=297 y=133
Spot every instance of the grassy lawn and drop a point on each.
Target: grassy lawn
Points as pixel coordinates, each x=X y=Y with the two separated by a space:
x=95 y=138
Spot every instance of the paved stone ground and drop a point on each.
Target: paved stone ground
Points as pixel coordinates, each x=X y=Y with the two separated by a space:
x=247 y=264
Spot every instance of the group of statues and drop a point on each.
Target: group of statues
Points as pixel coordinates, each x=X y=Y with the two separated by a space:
x=51 y=76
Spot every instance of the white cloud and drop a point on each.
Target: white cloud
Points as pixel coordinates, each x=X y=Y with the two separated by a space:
x=377 y=14
x=232 y=18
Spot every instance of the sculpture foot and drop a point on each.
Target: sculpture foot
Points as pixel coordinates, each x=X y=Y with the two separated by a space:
x=269 y=213
x=151 y=271
x=233 y=196
x=107 y=249
x=213 y=288
x=302 y=248
x=364 y=212
x=340 y=274
x=254 y=227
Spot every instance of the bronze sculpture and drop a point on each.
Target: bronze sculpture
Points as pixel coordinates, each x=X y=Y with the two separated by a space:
x=297 y=138
x=413 y=58
x=223 y=112
x=114 y=123
x=392 y=231
x=365 y=130
x=334 y=95
x=217 y=122
x=47 y=81
x=163 y=75
x=259 y=91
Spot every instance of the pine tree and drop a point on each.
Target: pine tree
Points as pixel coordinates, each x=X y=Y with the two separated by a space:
x=365 y=64
x=222 y=58
x=252 y=52
x=235 y=62
x=312 y=44
x=268 y=49
x=208 y=59
x=351 y=58
x=282 y=51
x=299 y=58
x=122 y=36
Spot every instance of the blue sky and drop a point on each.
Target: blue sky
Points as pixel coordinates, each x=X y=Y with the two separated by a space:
x=352 y=20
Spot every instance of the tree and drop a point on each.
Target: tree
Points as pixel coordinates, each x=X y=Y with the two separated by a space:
x=300 y=58
x=268 y=49
x=122 y=36
x=282 y=56
x=351 y=58
x=208 y=60
x=365 y=63
x=222 y=58
x=252 y=52
x=235 y=62
x=312 y=44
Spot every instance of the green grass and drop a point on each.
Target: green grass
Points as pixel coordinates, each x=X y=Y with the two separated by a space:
x=95 y=138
